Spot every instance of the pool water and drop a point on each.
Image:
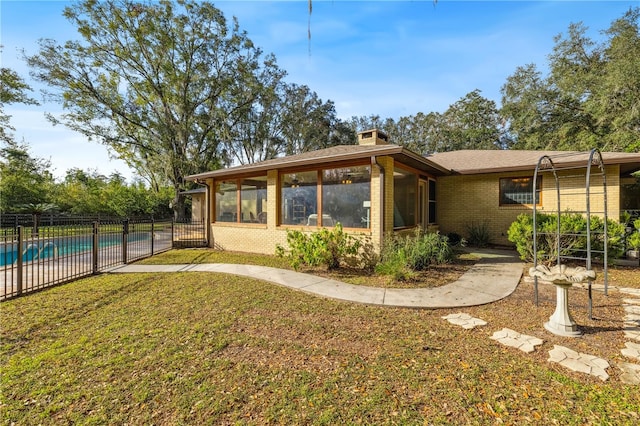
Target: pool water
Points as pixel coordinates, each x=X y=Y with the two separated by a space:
x=49 y=248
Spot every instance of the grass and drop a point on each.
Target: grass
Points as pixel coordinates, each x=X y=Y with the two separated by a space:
x=204 y=348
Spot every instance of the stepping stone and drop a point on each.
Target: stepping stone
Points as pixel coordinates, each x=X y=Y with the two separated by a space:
x=632 y=309
x=630 y=373
x=583 y=363
x=464 y=320
x=516 y=340
x=632 y=350
x=631 y=332
x=631 y=291
x=632 y=319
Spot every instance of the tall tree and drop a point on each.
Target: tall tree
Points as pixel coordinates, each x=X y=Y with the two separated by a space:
x=25 y=181
x=160 y=83
x=88 y=192
x=290 y=119
x=590 y=96
x=309 y=123
x=473 y=122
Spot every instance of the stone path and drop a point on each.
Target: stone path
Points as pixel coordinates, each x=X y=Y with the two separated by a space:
x=632 y=350
x=631 y=305
x=630 y=373
x=465 y=321
x=574 y=361
x=516 y=340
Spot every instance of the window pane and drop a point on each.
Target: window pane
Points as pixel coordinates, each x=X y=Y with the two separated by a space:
x=346 y=197
x=432 y=190
x=226 y=201
x=630 y=196
x=432 y=212
x=432 y=201
x=298 y=197
x=518 y=190
x=253 y=198
x=405 y=185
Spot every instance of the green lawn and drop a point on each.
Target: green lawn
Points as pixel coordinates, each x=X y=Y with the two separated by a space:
x=203 y=348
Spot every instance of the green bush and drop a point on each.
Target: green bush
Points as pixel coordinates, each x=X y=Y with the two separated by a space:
x=402 y=256
x=479 y=235
x=573 y=236
x=329 y=248
x=633 y=240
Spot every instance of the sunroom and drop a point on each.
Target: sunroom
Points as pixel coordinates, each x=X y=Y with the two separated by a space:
x=370 y=189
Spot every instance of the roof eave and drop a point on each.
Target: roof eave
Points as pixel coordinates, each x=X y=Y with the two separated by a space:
x=380 y=150
x=258 y=167
x=435 y=167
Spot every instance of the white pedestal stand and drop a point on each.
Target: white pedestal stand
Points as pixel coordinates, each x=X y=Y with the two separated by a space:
x=561 y=322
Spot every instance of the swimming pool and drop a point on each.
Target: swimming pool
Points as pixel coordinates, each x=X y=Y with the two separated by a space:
x=47 y=248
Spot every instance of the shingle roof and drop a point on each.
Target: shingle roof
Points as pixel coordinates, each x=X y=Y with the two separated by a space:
x=458 y=162
x=493 y=161
x=330 y=155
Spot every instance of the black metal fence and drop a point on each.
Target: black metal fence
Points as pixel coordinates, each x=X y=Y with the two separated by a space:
x=36 y=253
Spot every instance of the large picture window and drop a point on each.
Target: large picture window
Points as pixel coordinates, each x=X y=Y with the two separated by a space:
x=326 y=197
x=405 y=185
x=346 y=197
x=519 y=191
x=298 y=197
x=241 y=200
x=227 y=201
x=253 y=199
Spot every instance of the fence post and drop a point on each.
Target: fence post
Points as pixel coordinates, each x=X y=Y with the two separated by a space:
x=152 y=235
x=19 y=259
x=173 y=237
x=94 y=256
x=125 y=232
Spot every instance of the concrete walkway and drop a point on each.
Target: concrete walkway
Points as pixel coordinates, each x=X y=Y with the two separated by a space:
x=494 y=277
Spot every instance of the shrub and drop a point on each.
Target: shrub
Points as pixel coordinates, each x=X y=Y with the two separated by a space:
x=573 y=236
x=633 y=240
x=479 y=235
x=329 y=248
x=402 y=256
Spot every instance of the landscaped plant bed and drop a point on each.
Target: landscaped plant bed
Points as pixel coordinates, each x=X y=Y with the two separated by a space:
x=433 y=276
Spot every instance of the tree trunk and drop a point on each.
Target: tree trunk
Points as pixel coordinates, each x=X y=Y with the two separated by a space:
x=178 y=207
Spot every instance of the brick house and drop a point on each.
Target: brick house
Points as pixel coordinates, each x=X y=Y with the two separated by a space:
x=376 y=187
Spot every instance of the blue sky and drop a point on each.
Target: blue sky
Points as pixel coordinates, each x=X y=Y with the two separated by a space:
x=389 y=58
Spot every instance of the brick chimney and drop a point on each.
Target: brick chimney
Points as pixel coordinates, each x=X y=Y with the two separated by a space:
x=373 y=137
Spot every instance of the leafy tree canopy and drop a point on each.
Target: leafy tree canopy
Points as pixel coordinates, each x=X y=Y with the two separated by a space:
x=473 y=122
x=290 y=119
x=25 y=181
x=590 y=98
x=162 y=84
x=13 y=89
